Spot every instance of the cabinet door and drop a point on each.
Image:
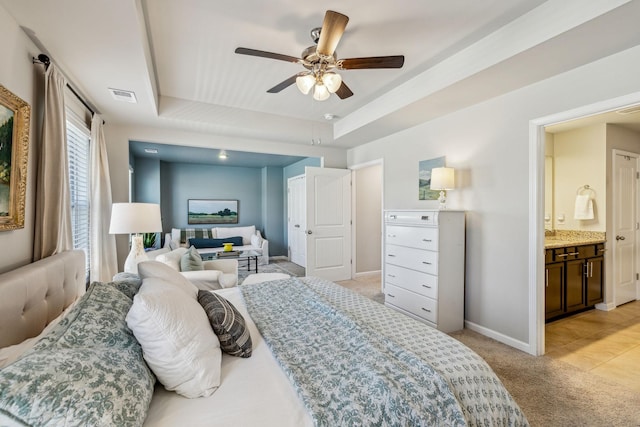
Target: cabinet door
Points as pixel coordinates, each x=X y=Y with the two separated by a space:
x=554 y=290
x=595 y=280
x=574 y=290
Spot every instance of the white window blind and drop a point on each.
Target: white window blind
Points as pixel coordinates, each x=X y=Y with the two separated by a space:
x=78 y=138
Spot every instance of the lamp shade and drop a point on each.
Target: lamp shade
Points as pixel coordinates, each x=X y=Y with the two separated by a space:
x=305 y=82
x=332 y=81
x=442 y=179
x=129 y=218
x=320 y=92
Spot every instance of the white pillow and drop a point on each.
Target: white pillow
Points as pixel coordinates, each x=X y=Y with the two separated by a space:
x=172 y=259
x=150 y=269
x=176 y=338
x=256 y=241
x=245 y=232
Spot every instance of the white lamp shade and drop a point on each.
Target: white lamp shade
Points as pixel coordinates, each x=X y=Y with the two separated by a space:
x=442 y=179
x=128 y=218
x=320 y=93
x=305 y=82
x=332 y=81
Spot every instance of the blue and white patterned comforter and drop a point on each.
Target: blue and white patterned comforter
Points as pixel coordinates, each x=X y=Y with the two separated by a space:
x=355 y=362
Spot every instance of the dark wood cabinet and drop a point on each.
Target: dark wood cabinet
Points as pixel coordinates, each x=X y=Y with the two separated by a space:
x=574 y=279
x=554 y=290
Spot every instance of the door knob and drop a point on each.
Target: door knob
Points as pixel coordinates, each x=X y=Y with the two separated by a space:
x=309 y=232
x=619 y=237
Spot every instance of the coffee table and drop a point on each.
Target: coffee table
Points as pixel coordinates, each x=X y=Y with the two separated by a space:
x=249 y=256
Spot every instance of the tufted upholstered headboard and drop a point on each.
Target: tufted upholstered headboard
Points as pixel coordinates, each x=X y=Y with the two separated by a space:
x=33 y=295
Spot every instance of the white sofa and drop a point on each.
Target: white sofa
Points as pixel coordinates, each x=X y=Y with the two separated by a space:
x=251 y=240
x=217 y=274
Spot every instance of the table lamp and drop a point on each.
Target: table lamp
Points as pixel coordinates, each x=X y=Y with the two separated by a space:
x=135 y=218
x=442 y=179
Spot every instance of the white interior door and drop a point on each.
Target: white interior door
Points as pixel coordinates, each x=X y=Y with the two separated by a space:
x=328 y=194
x=624 y=243
x=297 y=220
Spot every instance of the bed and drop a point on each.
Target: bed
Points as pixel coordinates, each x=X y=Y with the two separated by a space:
x=320 y=355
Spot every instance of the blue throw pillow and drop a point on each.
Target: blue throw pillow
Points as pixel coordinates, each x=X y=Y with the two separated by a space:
x=215 y=243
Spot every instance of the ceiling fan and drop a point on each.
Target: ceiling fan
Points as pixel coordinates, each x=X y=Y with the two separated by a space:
x=321 y=61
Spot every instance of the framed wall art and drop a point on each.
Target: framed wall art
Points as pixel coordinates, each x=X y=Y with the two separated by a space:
x=14 y=146
x=424 y=178
x=202 y=211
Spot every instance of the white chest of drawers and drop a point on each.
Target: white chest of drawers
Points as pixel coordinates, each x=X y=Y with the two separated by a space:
x=424 y=266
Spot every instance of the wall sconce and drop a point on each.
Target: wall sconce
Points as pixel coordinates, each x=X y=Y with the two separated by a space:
x=442 y=179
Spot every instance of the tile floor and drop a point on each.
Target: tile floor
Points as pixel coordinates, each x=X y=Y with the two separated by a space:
x=606 y=343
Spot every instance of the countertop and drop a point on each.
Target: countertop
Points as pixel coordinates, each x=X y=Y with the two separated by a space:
x=562 y=238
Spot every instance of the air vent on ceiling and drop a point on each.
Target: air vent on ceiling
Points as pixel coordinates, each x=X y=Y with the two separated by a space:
x=631 y=110
x=123 y=95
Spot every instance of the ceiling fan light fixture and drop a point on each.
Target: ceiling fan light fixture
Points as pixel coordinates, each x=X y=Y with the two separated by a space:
x=332 y=81
x=321 y=93
x=305 y=82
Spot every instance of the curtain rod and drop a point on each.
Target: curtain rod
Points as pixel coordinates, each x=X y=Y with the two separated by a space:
x=44 y=60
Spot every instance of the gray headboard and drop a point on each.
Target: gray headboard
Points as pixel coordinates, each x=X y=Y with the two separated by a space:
x=34 y=295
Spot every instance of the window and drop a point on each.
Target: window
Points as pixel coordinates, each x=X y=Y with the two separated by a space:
x=78 y=137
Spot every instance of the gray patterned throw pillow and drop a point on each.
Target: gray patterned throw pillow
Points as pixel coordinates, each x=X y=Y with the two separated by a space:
x=227 y=323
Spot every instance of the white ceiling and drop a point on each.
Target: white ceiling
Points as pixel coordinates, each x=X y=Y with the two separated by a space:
x=178 y=57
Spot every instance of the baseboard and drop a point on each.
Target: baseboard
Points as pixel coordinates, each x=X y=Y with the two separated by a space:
x=511 y=342
x=279 y=258
x=369 y=273
x=605 y=306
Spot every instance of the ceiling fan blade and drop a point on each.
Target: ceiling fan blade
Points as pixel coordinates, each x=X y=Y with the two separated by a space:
x=263 y=54
x=283 y=85
x=343 y=91
x=331 y=32
x=371 y=62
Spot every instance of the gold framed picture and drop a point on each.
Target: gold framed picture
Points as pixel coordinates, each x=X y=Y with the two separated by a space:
x=14 y=147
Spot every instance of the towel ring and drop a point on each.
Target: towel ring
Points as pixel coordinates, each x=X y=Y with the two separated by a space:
x=585 y=187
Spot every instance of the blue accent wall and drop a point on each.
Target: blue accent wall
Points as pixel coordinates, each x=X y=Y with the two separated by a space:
x=272 y=210
x=261 y=193
x=199 y=181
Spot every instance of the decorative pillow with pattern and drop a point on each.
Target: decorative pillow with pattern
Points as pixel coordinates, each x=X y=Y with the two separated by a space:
x=87 y=371
x=191 y=233
x=227 y=323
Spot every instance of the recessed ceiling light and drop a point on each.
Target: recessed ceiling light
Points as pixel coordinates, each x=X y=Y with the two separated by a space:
x=123 y=95
x=222 y=155
x=151 y=150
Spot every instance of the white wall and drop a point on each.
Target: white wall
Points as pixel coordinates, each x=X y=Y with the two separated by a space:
x=579 y=158
x=488 y=145
x=21 y=77
x=368 y=218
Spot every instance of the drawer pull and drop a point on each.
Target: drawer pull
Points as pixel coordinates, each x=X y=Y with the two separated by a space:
x=426 y=240
x=392 y=296
x=603 y=250
x=426 y=286
x=425 y=217
x=574 y=253
x=391 y=255
x=425 y=262
x=562 y=255
x=426 y=309
x=391 y=235
x=391 y=275
x=393 y=216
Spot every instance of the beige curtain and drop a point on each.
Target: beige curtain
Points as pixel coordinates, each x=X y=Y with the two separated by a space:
x=53 y=233
x=104 y=262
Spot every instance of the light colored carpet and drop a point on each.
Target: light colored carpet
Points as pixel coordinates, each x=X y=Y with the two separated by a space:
x=553 y=393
